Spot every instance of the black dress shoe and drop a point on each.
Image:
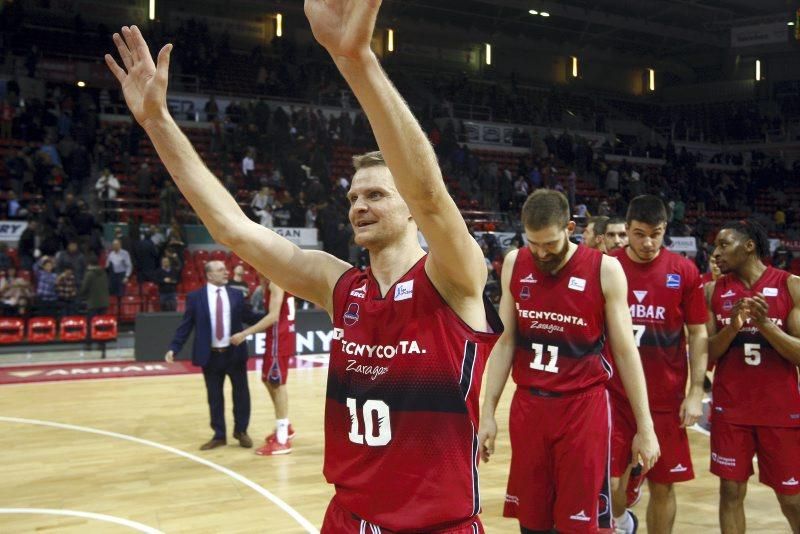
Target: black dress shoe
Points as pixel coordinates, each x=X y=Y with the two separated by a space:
x=244 y=439
x=213 y=444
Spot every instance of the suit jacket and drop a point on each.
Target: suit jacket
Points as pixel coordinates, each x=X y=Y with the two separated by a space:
x=198 y=318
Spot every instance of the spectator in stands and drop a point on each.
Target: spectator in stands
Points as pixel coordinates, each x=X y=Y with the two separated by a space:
x=67 y=291
x=168 y=200
x=146 y=256
x=107 y=185
x=5 y=258
x=144 y=180
x=615 y=236
x=782 y=258
x=28 y=244
x=167 y=280
x=593 y=232
x=94 y=288
x=71 y=258
x=46 y=296
x=238 y=282
x=14 y=208
x=15 y=289
x=262 y=199
x=120 y=268
x=158 y=237
x=248 y=163
x=212 y=109
x=780 y=220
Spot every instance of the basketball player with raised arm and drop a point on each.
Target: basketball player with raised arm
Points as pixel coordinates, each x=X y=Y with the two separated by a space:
x=412 y=333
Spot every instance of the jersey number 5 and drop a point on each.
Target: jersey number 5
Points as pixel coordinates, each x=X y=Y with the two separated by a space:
x=538 y=351
x=373 y=411
x=752 y=353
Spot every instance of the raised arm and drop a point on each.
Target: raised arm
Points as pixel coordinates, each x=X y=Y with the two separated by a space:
x=500 y=361
x=620 y=332
x=344 y=28
x=308 y=274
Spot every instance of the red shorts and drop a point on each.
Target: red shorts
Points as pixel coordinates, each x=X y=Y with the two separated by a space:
x=733 y=447
x=559 y=461
x=675 y=464
x=340 y=521
x=275 y=369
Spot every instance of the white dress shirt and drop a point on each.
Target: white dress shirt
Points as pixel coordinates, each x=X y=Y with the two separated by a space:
x=211 y=290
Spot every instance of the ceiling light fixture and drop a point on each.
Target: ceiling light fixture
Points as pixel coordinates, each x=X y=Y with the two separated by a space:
x=544 y=14
x=533 y=12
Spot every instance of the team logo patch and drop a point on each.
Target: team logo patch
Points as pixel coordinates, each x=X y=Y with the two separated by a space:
x=528 y=280
x=791 y=482
x=640 y=295
x=525 y=293
x=679 y=469
x=581 y=516
x=673 y=281
x=728 y=294
x=404 y=290
x=577 y=284
x=727 y=305
x=360 y=292
x=770 y=292
x=351 y=315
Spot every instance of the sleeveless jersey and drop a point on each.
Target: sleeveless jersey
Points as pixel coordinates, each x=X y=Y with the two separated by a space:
x=560 y=324
x=753 y=384
x=663 y=295
x=281 y=339
x=401 y=414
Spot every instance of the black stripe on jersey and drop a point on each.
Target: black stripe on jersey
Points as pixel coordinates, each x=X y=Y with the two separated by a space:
x=567 y=347
x=467 y=367
x=660 y=338
x=476 y=488
x=443 y=396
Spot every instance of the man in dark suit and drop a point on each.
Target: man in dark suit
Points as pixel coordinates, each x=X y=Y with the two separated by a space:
x=215 y=313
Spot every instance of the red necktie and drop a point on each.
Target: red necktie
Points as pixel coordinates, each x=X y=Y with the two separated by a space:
x=220 y=329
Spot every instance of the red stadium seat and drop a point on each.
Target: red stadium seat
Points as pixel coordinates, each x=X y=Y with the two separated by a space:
x=181 y=302
x=113 y=305
x=149 y=289
x=25 y=275
x=41 y=330
x=132 y=287
x=218 y=255
x=151 y=304
x=12 y=330
x=14 y=255
x=103 y=328
x=129 y=306
x=72 y=328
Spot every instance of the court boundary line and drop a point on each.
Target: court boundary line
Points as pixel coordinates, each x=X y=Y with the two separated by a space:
x=277 y=501
x=141 y=527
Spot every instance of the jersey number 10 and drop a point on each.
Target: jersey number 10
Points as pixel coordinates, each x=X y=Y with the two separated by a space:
x=373 y=411
x=538 y=355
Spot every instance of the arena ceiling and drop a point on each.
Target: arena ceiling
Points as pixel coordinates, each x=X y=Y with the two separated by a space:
x=653 y=27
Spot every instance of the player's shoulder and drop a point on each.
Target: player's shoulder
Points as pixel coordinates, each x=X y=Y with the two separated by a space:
x=793 y=283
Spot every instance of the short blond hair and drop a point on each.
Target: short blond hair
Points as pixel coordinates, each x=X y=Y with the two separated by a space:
x=370 y=159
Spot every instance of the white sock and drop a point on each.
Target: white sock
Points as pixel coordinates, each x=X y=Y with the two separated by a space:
x=624 y=522
x=282 y=433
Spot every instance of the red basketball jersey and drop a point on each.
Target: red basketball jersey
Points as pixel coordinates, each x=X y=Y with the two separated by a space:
x=560 y=323
x=281 y=339
x=401 y=414
x=753 y=384
x=663 y=295
x=706 y=278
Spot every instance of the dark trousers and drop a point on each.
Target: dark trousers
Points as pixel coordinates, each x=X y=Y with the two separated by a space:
x=116 y=283
x=223 y=364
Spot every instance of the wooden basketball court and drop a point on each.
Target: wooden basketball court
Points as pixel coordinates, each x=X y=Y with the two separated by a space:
x=121 y=455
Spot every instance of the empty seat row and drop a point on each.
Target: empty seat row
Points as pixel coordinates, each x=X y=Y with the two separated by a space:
x=71 y=329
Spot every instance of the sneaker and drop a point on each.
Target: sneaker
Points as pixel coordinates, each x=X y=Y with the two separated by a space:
x=273 y=448
x=634 y=489
x=274 y=435
x=634 y=521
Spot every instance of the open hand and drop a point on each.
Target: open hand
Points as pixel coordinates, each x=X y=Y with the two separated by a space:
x=237 y=338
x=343 y=27
x=645 y=449
x=145 y=83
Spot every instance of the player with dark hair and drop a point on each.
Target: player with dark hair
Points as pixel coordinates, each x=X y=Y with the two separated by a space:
x=754 y=328
x=559 y=300
x=665 y=293
x=615 y=236
x=593 y=232
x=411 y=334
